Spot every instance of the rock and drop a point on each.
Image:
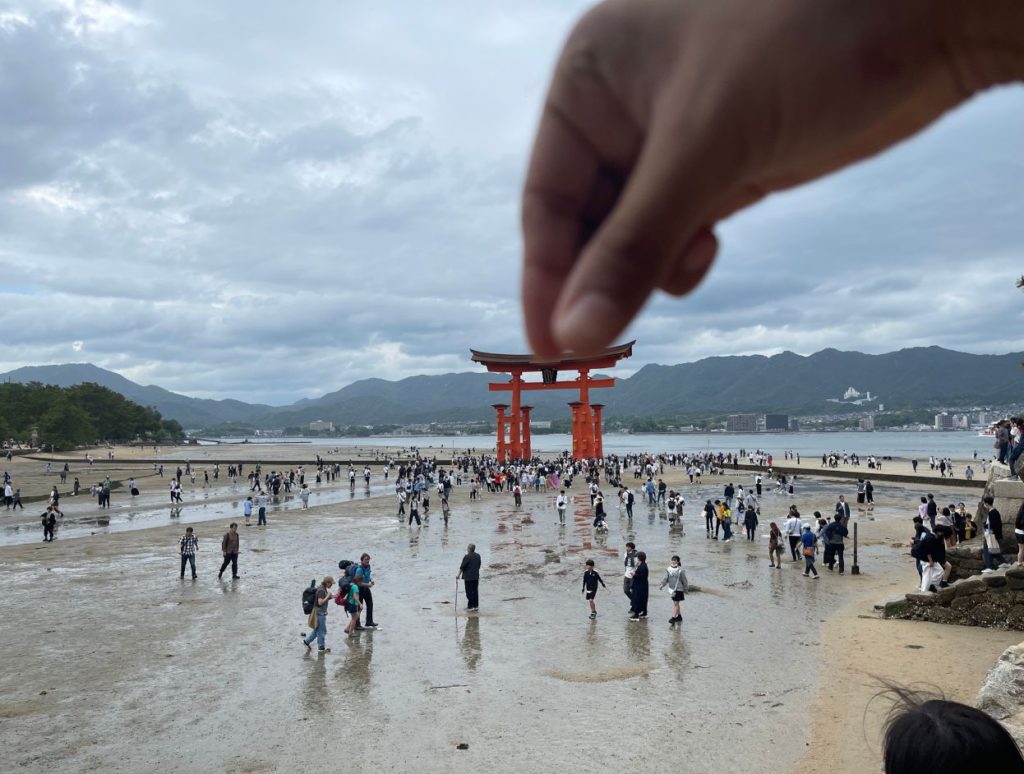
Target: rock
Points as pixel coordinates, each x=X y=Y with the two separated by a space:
x=1016 y=584
x=1002 y=694
x=1015 y=617
x=882 y=605
x=970 y=587
x=1015 y=572
x=944 y=596
x=943 y=615
x=988 y=613
x=965 y=603
x=462 y=746
x=994 y=581
x=896 y=608
x=921 y=598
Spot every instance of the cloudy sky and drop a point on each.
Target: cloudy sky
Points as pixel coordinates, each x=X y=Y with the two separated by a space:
x=268 y=200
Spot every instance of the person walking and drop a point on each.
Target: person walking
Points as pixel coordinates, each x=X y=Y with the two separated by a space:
x=229 y=547
x=709 y=520
x=590 y=580
x=17 y=500
x=791 y=529
x=364 y=580
x=188 y=544
x=560 y=502
x=675 y=579
x=629 y=565
x=247 y=510
x=348 y=594
x=843 y=507
x=318 y=618
x=49 y=522
x=750 y=521
x=810 y=547
x=469 y=571
x=639 y=590
x=774 y=546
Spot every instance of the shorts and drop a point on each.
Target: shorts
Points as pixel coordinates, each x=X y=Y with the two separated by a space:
x=591 y=594
x=678 y=596
x=351 y=609
x=1020 y=539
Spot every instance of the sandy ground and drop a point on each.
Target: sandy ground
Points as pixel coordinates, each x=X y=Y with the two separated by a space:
x=111 y=663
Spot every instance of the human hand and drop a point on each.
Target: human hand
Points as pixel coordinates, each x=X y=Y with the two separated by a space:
x=665 y=117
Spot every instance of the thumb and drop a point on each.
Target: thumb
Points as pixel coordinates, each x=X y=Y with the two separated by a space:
x=680 y=175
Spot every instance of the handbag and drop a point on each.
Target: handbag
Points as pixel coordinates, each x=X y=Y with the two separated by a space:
x=808 y=551
x=311 y=622
x=992 y=543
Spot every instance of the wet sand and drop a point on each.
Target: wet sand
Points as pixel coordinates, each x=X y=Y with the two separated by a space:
x=114 y=664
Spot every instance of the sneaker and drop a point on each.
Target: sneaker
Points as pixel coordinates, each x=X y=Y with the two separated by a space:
x=371 y=626
x=323 y=650
x=772 y=566
x=986 y=571
x=309 y=649
x=643 y=615
x=944 y=585
x=842 y=572
x=634 y=617
x=932 y=589
x=805 y=574
x=593 y=616
x=815 y=576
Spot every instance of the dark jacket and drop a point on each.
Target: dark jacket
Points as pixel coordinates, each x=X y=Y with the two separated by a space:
x=995 y=523
x=639 y=589
x=470 y=567
x=229 y=544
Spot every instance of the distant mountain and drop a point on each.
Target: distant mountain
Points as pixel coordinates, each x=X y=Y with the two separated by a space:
x=788 y=383
x=190 y=412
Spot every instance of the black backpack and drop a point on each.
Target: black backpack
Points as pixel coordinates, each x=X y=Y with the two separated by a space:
x=309 y=597
x=349 y=568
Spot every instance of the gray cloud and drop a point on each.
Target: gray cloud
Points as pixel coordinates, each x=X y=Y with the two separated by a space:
x=235 y=200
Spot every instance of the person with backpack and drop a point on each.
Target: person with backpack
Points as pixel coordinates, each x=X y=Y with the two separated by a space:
x=629 y=566
x=931 y=551
x=517 y=495
x=414 y=512
x=750 y=522
x=709 y=520
x=363 y=578
x=321 y=598
x=348 y=596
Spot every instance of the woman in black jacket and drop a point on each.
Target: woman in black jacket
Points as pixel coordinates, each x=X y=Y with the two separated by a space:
x=639 y=590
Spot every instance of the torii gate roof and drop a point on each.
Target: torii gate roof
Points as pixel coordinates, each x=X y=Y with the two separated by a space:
x=568 y=361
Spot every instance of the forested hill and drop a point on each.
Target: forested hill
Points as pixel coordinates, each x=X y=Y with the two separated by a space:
x=64 y=417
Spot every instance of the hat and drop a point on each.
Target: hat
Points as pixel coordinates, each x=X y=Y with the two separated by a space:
x=807 y=526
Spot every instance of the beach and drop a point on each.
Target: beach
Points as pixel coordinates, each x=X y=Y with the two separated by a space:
x=102 y=636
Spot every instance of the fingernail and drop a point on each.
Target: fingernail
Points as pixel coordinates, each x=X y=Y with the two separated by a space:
x=588 y=324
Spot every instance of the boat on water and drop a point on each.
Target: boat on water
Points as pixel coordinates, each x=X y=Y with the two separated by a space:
x=988 y=432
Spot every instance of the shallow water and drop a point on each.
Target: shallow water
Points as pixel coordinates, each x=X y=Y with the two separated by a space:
x=211 y=676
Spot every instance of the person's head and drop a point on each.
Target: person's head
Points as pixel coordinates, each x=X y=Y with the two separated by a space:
x=842 y=498
x=471 y=548
x=924 y=499
x=931 y=497
x=590 y=564
x=365 y=560
x=989 y=500
x=945 y=737
x=817 y=515
x=675 y=561
x=641 y=557
x=249 y=498
x=327 y=582
x=839 y=517
x=562 y=492
x=188 y=530
x=630 y=546
x=233 y=527
x=807 y=527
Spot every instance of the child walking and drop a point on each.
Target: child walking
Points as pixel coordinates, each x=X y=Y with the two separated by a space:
x=590 y=580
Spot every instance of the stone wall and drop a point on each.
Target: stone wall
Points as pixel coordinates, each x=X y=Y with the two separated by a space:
x=966 y=557
x=995 y=600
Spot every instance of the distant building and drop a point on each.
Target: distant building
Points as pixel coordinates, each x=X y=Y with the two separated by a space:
x=319 y=426
x=776 y=422
x=794 y=425
x=943 y=421
x=540 y=424
x=866 y=423
x=741 y=423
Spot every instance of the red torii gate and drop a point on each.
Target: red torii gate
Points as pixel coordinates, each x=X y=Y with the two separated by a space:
x=586 y=417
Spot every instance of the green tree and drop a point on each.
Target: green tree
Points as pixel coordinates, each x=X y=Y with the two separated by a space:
x=65 y=425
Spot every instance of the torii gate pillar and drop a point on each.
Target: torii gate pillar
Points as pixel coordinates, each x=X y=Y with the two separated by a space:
x=500 y=409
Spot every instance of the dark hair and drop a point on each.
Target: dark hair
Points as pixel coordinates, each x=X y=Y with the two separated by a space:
x=630 y=545
x=234 y=524
x=988 y=500
x=945 y=737
x=188 y=529
x=676 y=557
x=641 y=556
x=589 y=562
